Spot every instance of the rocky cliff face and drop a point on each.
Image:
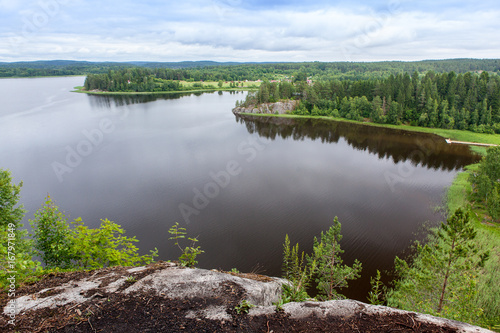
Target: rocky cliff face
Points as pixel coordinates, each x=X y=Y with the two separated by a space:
x=164 y=297
x=281 y=107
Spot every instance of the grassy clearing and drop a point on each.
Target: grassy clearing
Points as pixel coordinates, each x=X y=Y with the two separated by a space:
x=225 y=85
x=192 y=88
x=82 y=90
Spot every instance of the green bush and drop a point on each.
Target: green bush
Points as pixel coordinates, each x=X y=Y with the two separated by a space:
x=105 y=247
x=80 y=247
x=189 y=253
x=486 y=184
x=297 y=272
x=325 y=266
x=331 y=274
x=244 y=307
x=51 y=236
x=442 y=279
x=15 y=247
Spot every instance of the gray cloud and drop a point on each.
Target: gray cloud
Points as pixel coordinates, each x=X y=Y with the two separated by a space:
x=232 y=30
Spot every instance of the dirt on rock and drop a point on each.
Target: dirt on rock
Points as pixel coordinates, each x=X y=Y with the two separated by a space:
x=151 y=311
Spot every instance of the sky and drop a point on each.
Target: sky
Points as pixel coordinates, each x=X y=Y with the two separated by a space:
x=248 y=30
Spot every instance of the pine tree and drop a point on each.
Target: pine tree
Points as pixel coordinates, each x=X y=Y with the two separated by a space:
x=437 y=279
x=331 y=274
x=494 y=204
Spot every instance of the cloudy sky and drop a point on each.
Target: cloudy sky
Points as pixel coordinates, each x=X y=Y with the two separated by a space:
x=248 y=30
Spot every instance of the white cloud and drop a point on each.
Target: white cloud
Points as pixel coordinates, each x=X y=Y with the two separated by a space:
x=225 y=31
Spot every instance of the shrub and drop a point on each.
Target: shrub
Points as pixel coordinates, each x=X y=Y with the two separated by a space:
x=189 y=253
x=105 y=246
x=15 y=247
x=81 y=247
x=331 y=274
x=324 y=265
x=51 y=235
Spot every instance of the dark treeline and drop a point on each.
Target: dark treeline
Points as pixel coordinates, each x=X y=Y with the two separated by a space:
x=55 y=68
x=469 y=101
x=215 y=71
x=423 y=149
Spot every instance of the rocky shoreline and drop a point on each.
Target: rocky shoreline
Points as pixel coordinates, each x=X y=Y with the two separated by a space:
x=164 y=297
x=281 y=107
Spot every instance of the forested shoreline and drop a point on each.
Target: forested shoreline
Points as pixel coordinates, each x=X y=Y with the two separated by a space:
x=431 y=95
x=232 y=71
x=463 y=95
x=469 y=101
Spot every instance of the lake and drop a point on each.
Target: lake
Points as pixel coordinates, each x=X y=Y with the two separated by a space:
x=240 y=183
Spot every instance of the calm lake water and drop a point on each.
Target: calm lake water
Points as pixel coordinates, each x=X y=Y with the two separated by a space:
x=240 y=183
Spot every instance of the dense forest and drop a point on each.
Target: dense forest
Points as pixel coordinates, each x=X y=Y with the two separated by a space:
x=68 y=67
x=469 y=101
x=230 y=71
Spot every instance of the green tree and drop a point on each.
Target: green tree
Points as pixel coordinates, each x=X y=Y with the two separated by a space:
x=105 y=246
x=263 y=94
x=377 y=293
x=298 y=271
x=486 y=180
x=494 y=204
x=491 y=164
x=81 y=247
x=324 y=265
x=393 y=116
x=51 y=235
x=376 y=114
x=300 y=76
x=15 y=248
x=442 y=277
x=330 y=273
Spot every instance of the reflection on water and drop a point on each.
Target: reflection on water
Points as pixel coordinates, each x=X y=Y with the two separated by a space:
x=164 y=149
x=108 y=101
x=428 y=150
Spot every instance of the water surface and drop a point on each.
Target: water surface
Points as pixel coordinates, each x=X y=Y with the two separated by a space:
x=240 y=183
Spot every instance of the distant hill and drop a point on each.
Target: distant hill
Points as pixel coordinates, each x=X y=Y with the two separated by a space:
x=71 y=67
x=74 y=63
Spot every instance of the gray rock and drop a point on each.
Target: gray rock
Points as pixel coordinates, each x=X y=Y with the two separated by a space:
x=281 y=107
x=170 y=282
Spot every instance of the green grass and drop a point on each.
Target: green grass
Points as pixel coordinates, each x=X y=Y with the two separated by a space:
x=207 y=87
x=225 y=85
x=459 y=190
x=488 y=234
x=488 y=239
x=81 y=90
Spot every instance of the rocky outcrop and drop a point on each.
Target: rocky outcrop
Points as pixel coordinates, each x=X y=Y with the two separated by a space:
x=281 y=107
x=164 y=297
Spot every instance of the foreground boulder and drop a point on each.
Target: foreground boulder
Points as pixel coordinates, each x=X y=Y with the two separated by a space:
x=164 y=297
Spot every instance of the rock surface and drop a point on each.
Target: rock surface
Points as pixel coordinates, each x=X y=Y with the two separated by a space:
x=164 y=297
x=281 y=107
